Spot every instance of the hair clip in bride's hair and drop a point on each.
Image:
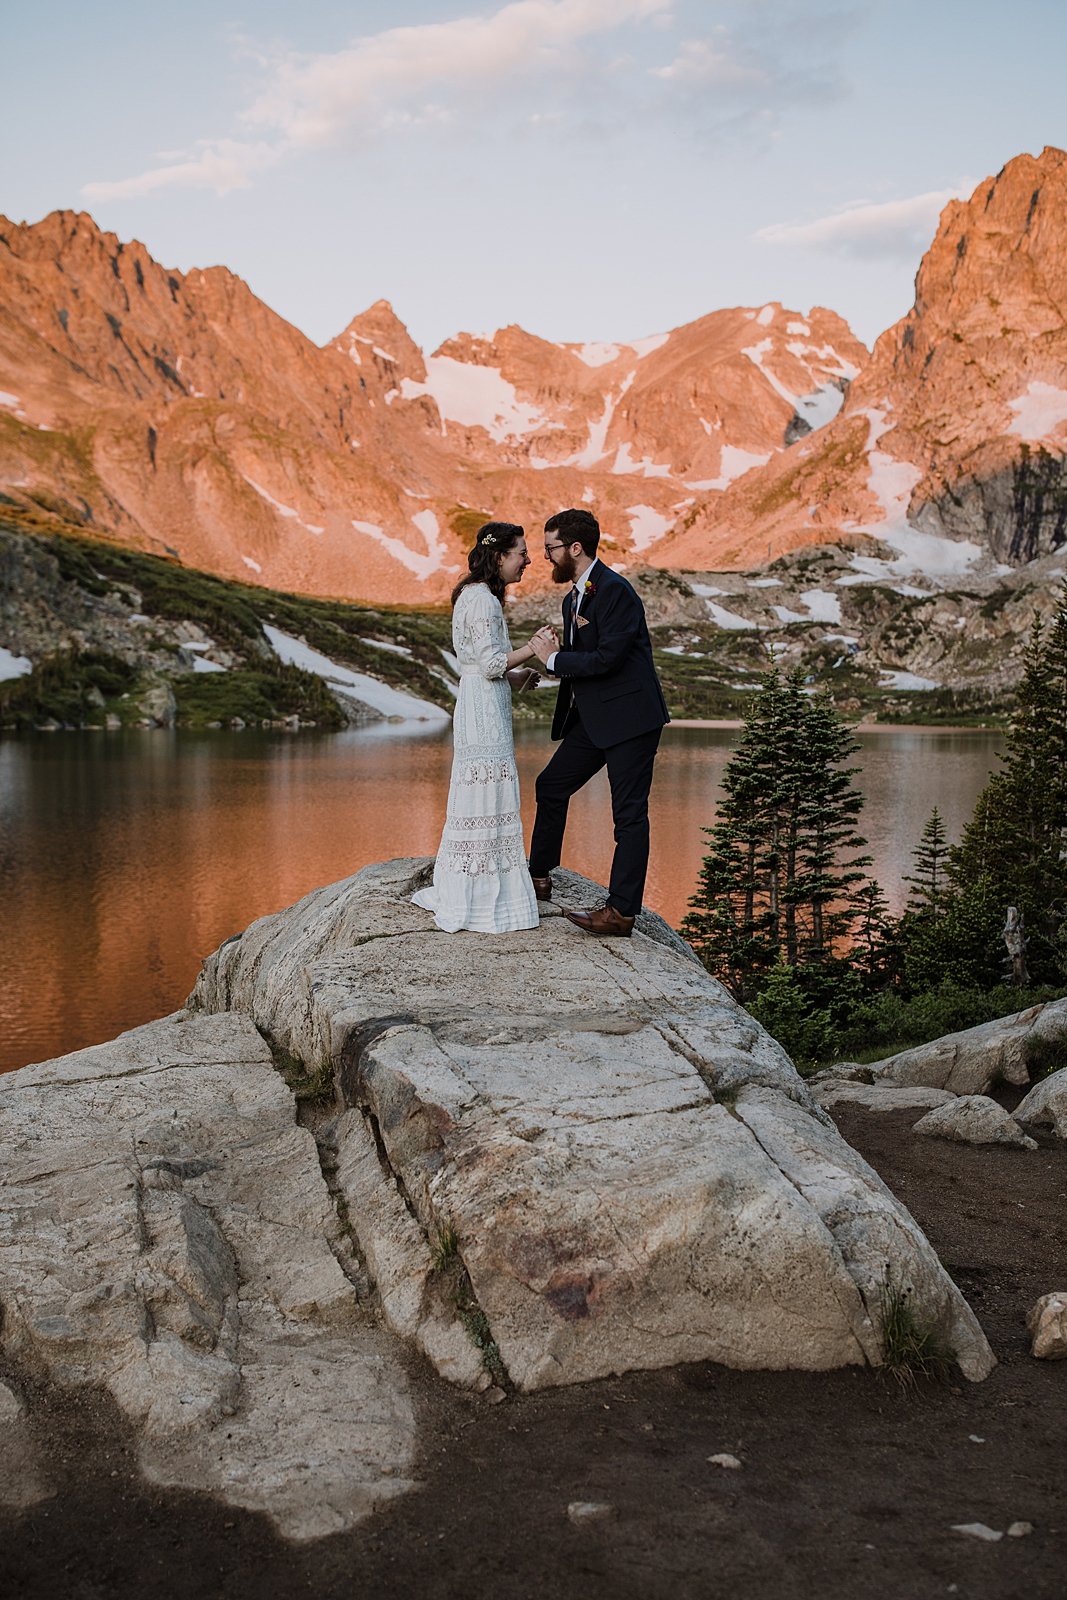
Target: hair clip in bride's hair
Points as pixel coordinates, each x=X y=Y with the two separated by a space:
x=487 y=538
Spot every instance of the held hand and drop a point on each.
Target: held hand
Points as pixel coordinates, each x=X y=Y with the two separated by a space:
x=544 y=643
x=542 y=646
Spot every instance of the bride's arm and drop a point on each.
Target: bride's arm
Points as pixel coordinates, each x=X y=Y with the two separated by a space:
x=486 y=637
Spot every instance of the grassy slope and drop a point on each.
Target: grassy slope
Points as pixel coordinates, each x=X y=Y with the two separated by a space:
x=232 y=614
x=710 y=682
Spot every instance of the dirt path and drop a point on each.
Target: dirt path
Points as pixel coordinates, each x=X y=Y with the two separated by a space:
x=848 y=1488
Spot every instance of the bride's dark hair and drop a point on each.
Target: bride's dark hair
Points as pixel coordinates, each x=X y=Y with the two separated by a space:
x=494 y=540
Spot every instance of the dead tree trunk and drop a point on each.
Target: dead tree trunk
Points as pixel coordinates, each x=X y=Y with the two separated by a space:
x=1014 y=937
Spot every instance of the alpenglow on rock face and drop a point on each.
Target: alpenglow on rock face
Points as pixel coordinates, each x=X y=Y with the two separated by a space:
x=623 y=1166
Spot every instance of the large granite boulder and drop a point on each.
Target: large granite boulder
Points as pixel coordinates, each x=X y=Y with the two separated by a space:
x=608 y=1161
x=975 y=1060
x=166 y=1232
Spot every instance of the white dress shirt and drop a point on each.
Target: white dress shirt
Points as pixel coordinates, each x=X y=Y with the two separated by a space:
x=579 y=596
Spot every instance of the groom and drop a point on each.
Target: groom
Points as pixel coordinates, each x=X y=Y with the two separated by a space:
x=610 y=712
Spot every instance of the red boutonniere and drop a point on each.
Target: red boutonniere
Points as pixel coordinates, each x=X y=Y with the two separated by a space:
x=590 y=589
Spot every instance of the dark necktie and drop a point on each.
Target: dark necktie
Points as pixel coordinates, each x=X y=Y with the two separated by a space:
x=572 y=626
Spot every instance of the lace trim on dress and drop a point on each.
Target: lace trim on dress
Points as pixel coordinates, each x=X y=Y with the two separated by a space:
x=476 y=857
x=506 y=819
x=484 y=770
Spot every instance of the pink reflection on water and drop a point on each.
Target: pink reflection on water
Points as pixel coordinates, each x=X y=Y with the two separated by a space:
x=124 y=861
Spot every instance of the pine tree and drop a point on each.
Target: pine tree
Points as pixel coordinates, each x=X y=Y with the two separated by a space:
x=1015 y=841
x=781 y=879
x=876 y=952
x=930 y=886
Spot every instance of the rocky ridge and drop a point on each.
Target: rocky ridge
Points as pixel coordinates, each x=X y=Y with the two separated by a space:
x=531 y=1187
x=949 y=451
x=177 y=413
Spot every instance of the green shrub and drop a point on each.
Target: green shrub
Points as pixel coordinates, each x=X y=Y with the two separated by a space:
x=1044 y=1054
x=264 y=695
x=62 y=687
x=885 y=1023
x=804 y=1029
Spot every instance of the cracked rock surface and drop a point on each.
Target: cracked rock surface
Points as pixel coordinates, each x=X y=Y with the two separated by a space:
x=616 y=1165
x=166 y=1232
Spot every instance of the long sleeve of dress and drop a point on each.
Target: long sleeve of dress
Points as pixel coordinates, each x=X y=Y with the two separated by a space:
x=481 y=636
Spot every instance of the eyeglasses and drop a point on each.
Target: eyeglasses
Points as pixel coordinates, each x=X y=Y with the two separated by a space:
x=550 y=547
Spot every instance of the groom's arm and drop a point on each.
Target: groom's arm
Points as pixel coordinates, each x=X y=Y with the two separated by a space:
x=620 y=616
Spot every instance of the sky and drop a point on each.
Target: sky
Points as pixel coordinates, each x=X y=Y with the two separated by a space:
x=589 y=169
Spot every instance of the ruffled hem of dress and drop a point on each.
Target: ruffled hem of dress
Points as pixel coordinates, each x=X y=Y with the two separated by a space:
x=466 y=917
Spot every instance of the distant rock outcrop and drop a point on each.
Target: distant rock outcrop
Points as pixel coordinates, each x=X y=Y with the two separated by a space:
x=956 y=430
x=975 y=1060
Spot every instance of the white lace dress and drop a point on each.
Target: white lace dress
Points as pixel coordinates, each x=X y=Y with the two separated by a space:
x=481 y=881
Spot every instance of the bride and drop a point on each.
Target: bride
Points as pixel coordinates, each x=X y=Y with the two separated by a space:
x=481 y=881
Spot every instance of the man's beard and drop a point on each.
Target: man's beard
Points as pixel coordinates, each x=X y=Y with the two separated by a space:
x=564 y=570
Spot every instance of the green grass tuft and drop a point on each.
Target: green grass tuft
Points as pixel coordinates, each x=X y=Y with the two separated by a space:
x=911 y=1349
x=444 y=1246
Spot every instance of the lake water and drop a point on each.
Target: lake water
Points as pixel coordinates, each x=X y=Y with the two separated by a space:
x=127 y=858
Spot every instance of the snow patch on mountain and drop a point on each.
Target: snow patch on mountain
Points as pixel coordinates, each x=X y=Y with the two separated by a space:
x=644 y=347
x=12 y=666
x=821 y=406
x=727 y=619
x=822 y=605
x=733 y=463
x=646 y=525
x=1039 y=412
x=625 y=463
x=597 y=355
x=475 y=397
x=381 y=697
x=421 y=565
x=280 y=507
x=906 y=680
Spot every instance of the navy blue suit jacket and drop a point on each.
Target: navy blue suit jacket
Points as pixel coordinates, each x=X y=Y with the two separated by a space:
x=608 y=674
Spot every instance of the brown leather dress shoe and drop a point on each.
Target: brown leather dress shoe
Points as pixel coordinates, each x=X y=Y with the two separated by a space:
x=607 y=923
x=542 y=887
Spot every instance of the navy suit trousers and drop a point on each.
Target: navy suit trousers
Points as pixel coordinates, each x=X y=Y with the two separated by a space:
x=575 y=761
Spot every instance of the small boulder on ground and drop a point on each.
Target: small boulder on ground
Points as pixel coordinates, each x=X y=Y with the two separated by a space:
x=1046 y=1323
x=878 y=1096
x=973 y=1119
x=1046 y=1104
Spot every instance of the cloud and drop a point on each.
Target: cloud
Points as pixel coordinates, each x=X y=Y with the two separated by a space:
x=399 y=77
x=740 y=77
x=222 y=165
x=892 y=228
x=702 y=64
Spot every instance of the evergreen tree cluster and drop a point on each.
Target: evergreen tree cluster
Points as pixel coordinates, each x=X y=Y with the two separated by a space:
x=788 y=917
